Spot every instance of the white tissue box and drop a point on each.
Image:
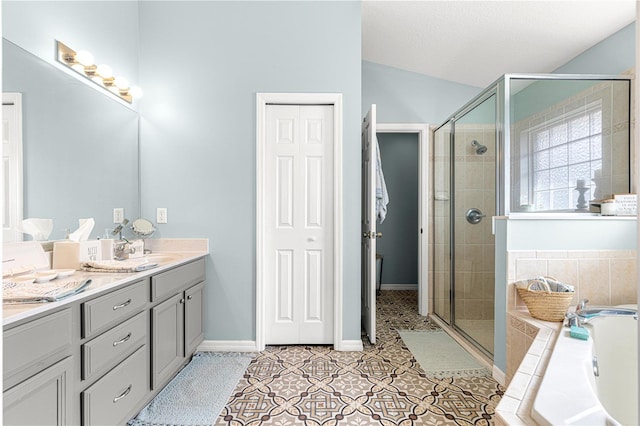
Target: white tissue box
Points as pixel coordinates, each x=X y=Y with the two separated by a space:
x=138 y=249
x=90 y=250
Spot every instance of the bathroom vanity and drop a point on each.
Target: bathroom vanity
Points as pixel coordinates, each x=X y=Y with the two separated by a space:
x=97 y=358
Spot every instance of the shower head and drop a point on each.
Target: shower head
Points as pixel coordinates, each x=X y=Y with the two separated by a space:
x=480 y=149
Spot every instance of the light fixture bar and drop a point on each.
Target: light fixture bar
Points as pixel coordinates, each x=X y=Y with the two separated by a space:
x=81 y=62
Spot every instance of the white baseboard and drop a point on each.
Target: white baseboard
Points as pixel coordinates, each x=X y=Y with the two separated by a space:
x=228 y=346
x=499 y=375
x=349 y=346
x=399 y=287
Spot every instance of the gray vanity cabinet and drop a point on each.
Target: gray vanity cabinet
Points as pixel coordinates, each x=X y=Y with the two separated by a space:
x=100 y=360
x=44 y=399
x=167 y=323
x=177 y=322
x=38 y=371
x=193 y=317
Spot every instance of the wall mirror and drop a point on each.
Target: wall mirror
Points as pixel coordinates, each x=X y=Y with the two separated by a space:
x=80 y=146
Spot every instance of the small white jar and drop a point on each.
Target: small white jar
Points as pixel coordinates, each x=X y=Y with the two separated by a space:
x=608 y=208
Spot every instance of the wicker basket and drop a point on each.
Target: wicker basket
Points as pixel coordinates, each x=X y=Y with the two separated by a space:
x=546 y=305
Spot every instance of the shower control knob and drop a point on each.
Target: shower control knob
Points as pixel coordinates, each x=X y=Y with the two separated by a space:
x=474 y=216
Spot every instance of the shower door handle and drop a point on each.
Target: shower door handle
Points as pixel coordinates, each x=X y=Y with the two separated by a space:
x=474 y=216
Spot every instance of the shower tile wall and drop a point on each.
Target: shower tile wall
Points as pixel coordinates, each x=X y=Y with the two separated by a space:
x=614 y=173
x=474 y=187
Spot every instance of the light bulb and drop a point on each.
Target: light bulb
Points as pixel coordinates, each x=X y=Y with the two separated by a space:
x=105 y=71
x=121 y=82
x=136 y=92
x=84 y=57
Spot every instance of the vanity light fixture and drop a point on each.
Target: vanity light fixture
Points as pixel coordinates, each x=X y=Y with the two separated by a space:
x=83 y=63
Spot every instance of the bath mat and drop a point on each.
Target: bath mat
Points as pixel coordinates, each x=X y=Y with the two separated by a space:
x=440 y=356
x=199 y=392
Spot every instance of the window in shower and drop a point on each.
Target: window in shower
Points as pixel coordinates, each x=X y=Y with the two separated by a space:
x=568 y=137
x=562 y=154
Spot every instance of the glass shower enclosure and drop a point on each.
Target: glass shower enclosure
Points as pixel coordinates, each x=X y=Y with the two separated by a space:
x=528 y=144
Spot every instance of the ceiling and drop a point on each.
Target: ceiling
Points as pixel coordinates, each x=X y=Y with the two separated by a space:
x=476 y=41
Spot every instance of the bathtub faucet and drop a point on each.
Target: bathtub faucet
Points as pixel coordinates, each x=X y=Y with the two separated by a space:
x=583 y=314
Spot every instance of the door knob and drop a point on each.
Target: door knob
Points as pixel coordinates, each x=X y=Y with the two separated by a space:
x=378 y=234
x=474 y=216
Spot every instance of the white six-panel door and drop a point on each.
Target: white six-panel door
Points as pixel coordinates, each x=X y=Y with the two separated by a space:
x=12 y=197
x=369 y=232
x=299 y=227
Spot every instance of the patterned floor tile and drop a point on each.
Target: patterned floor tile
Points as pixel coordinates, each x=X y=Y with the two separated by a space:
x=383 y=385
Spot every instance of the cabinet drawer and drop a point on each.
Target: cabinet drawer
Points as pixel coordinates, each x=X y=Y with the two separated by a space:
x=36 y=345
x=111 y=308
x=116 y=397
x=173 y=281
x=113 y=346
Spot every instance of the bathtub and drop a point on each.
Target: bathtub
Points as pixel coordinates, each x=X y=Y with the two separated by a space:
x=571 y=394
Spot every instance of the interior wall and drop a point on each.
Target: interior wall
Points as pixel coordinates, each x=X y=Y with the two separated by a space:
x=614 y=55
x=201 y=74
x=407 y=97
x=35 y=25
x=399 y=242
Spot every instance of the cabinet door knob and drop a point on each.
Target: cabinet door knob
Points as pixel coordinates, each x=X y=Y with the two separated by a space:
x=181 y=300
x=189 y=297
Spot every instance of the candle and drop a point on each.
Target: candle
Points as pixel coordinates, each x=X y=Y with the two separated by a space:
x=581 y=183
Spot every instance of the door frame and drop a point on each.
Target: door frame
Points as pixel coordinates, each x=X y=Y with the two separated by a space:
x=335 y=100
x=422 y=130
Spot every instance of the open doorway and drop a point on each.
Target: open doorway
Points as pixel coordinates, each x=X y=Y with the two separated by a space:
x=373 y=201
x=403 y=249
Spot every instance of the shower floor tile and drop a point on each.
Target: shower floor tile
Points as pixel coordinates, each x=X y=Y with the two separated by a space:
x=315 y=385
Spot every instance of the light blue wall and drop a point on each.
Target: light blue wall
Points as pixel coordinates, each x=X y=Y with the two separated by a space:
x=575 y=234
x=399 y=244
x=80 y=143
x=201 y=65
x=408 y=97
x=107 y=29
x=613 y=55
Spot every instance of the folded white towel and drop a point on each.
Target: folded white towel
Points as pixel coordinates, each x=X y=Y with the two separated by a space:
x=52 y=291
x=131 y=265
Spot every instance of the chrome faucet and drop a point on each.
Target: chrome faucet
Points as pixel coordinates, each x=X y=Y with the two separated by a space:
x=118 y=229
x=122 y=249
x=583 y=315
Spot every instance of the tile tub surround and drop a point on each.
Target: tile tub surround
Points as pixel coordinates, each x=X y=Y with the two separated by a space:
x=530 y=343
x=606 y=277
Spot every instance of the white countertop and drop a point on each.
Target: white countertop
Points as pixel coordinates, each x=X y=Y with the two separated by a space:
x=100 y=283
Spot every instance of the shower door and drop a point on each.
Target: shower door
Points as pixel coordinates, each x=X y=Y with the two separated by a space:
x=473 y=205
x=441 y=213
